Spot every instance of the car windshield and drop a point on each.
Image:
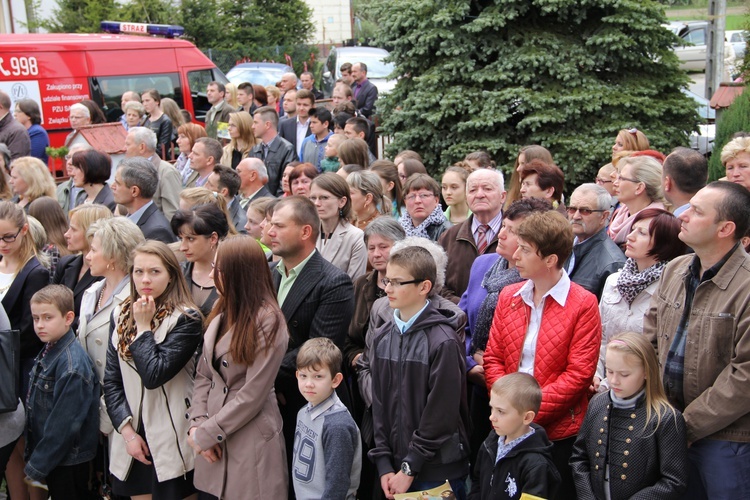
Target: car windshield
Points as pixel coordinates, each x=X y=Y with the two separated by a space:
x=259 y=76
x=376 y=68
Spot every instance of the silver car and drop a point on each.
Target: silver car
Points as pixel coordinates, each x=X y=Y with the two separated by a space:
x=378 y=71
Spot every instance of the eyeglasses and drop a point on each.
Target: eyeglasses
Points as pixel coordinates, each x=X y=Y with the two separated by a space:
x=397 y=283
x=583 y=211
x=621 y=178
x=603 y=181
x=68 y=157
x=11 y=237
x=422 y=196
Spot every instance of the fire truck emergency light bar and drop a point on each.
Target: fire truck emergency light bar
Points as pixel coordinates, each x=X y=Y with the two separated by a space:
x=165 y=30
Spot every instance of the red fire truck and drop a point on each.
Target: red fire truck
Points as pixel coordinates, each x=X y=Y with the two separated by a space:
x=57 y=70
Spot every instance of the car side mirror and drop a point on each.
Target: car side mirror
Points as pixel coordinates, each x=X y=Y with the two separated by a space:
x=327 y=74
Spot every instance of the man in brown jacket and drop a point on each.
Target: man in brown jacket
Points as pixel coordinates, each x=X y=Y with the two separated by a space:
x=477 y=235
x=698 y=321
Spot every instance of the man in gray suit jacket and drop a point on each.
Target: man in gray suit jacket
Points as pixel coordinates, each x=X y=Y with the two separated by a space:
x=134 y=186
x=317 y=298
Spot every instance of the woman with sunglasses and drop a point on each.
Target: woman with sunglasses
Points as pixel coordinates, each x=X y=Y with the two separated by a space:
x=21 y=276
x=638 y=186
x=651 y=244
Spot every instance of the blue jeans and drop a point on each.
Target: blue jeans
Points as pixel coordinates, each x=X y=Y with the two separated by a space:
x=457 y=485
x=719 y=469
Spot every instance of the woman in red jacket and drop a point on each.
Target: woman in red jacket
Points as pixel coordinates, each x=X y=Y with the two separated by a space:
x=548 y=327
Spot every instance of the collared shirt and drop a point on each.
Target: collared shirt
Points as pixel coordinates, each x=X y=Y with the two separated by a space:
x=572 y=262
x=503 y=449
x=674 y=366
x=288 y=281
x=405 y=325
x=559 y=293
x=494 y=229
x=136 y=216
x=301 y=134
x=265 y=147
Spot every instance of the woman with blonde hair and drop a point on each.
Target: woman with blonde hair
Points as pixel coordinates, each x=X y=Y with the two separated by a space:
x=453 y=187
x=392 y=186
x=230 y=95
x=134 y=113
x=368 y=201
x=630 y=139
x=273 y=94
x=73 y=270
x=242 y=139
x=638 y=186
x=192 y=197
x=735 y=157
x=149 y=377
x=108 y=258
x=48 y=212
x=30 y=179
x=234 y=384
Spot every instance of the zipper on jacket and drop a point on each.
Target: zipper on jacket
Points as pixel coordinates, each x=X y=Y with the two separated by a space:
x=174 y=429
x=399 y=382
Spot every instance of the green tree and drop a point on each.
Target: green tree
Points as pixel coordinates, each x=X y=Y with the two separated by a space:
x=497 y=75
x=79 y=16
x=202 y=22
x=148 y=11
x=736 y=118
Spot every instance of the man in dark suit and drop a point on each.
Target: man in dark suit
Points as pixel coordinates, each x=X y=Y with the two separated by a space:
x=295 y=130
x=253 y=179
x=134 y=187
x=276 y=152
x=365 y=93
x=226 y=183
x=317 y=298
x=308 y=83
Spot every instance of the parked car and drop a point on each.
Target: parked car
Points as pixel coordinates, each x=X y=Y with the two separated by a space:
x=738 y=39
x=703 y=139
x=378 y=71
x=260 y=73
x=692 y=50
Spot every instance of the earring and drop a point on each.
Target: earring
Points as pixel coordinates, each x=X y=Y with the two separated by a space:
x=341 y=213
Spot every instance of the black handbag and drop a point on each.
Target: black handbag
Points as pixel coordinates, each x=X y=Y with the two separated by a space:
x=10 y=370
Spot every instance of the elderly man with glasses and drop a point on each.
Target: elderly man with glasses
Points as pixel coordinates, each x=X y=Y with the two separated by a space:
x=595 y=256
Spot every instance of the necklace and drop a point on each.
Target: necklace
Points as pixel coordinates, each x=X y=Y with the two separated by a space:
x=362 y=223
x=101 y=297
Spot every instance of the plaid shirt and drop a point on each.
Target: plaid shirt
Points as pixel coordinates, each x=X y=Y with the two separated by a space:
x=674 y=367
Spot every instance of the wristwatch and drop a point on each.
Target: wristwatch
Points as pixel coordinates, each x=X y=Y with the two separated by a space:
x=406 y=469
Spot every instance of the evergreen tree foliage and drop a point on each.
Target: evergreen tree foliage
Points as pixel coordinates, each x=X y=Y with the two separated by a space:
x=79 y=16
x=500 y=74
x=736 y=118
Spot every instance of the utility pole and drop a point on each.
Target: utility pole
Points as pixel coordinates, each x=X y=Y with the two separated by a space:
x=717 y=21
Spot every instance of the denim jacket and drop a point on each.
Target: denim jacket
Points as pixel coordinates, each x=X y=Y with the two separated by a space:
x=62 y=415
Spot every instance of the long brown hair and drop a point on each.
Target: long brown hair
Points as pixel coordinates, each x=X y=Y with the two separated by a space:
x=176 y=296
x=244 y=283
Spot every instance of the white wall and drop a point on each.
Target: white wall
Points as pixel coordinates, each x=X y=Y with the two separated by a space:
x=332 y=19
x=18 y=9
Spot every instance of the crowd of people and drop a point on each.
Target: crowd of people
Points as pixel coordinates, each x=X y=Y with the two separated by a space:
x=285 y=315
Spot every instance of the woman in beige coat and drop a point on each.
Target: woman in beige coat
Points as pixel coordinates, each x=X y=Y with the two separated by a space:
x=235 y=424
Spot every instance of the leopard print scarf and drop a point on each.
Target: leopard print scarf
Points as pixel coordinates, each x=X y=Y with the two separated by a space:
x=127 y=329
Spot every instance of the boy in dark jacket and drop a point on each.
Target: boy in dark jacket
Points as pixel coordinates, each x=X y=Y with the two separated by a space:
x=418 y=385
x=518 y=463
x=62 y=409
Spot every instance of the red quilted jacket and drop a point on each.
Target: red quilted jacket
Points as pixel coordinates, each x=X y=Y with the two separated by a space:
x=567 y=351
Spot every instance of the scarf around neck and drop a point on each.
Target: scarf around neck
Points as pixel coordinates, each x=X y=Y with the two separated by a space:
x=126 y=334
x=630 y=283
x=434 y=219
x=497 y=278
